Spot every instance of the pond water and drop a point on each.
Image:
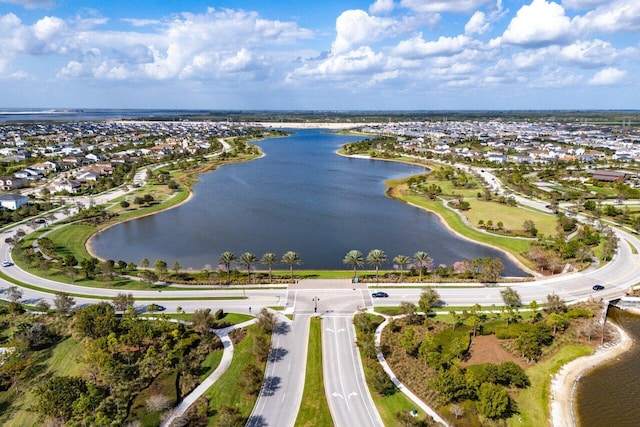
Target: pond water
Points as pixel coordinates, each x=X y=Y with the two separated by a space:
x=609 y=394
x=301 y=196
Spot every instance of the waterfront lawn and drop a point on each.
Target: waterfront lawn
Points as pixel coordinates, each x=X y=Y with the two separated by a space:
x=314 y=409
x=512 y=217
x=533 y=402
x=398 y=189
x=71 y=240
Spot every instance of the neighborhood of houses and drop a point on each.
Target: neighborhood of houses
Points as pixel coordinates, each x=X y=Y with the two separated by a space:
x=67 y=157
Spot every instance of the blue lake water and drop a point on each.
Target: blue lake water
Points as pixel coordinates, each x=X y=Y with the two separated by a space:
x=300 y=196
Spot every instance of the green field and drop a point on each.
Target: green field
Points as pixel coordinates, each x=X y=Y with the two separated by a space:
x=227 y=391
x=64 y=359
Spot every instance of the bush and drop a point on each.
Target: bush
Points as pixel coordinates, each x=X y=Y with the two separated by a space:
x=219 y=314
x=579 y=312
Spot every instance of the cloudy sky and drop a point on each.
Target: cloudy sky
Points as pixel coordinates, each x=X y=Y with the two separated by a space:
x=323 y=55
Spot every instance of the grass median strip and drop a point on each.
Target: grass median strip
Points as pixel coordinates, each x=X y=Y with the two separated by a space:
x=314 y=409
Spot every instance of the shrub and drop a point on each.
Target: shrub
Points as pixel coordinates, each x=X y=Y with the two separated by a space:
x=219 y=314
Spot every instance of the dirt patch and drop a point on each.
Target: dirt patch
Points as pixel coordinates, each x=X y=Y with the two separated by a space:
x=487 y=349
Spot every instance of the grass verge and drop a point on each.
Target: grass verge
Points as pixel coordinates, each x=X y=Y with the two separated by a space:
x=533 y=402
x=227 y=390
x=314 y=409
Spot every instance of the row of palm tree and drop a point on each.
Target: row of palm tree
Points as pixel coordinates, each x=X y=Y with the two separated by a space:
x=248 y=259
x=377 y=257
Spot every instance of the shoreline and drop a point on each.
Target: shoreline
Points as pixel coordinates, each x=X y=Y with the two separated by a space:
x=309 y=125
x=508 y=254
x=564 y=382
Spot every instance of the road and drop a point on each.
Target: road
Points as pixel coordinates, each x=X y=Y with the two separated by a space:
x=281 y=393
x=345 y=387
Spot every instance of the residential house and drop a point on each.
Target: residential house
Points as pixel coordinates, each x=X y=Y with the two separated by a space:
x=13 y=201
x=11 y=182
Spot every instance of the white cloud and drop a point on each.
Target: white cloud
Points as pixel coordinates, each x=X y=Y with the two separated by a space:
x=141 y=22
x=381 y=6
x=538 y=24
x=616 y=16
x=477 y=24
x=362 y=60
x=608 y=76
x=588 y=54
x=433 y=6
x=418 y=48
x=356 y=27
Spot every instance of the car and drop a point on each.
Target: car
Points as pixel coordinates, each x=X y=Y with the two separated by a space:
x=40 y=221
x=598 y=287
x=6 y=263
x=380 y=294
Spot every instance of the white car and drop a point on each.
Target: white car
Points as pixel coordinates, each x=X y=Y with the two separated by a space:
x=6 y=263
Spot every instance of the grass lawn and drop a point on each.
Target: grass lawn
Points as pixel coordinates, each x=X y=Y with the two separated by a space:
x=70 y=239
x=227 y=390
x=314 y=409
x=515 y=246
x=511 y=216
x=533 y=402
x=63 y=359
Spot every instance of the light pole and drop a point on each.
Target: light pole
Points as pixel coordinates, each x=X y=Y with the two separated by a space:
x=315 y=304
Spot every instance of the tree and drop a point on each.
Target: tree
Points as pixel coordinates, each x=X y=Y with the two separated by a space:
x=428 y=298
x=530 y=227
x=90 y=266
x=555 y=304
x=57 y=396
x=14 y=294
x=401 y=260
x=248 y=259
x=493 y=401
x=123 y=301
x=422 y=261
x=251 y=379
x=290 y=258
x=63 y=302
x=267 y=321
x=176 y=267
x=375 y=258
x=96 y=320
x=149 y=277
x=473 y=322
x=160 y=268
x=269 y=259
x=557 y=321
x=202 y=320
x=227 y=259
x=144 y=263
x=355 y=259
x=381 y=381
x=510 y=296
x=230 y=417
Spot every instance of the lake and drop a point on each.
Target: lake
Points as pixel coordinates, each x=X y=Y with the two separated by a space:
x=300 y=196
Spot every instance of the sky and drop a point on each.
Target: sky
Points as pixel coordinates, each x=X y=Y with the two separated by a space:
x=320 y=55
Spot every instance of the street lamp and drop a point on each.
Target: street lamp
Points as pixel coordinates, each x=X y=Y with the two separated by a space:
x=315 y=304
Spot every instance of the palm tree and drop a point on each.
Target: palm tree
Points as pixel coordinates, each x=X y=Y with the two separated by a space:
x=423 y=260
x=291 y=258
x=248 y=259
x=226 y=259
x=269 y=259
x=355 y=259
x=401 y=260
x=376 y=257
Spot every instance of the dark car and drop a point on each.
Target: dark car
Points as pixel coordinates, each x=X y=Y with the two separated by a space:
x=598 y=287
x=380 y=295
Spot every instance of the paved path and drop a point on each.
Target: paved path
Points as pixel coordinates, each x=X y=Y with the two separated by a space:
x=225 y=362
x=415 y=399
